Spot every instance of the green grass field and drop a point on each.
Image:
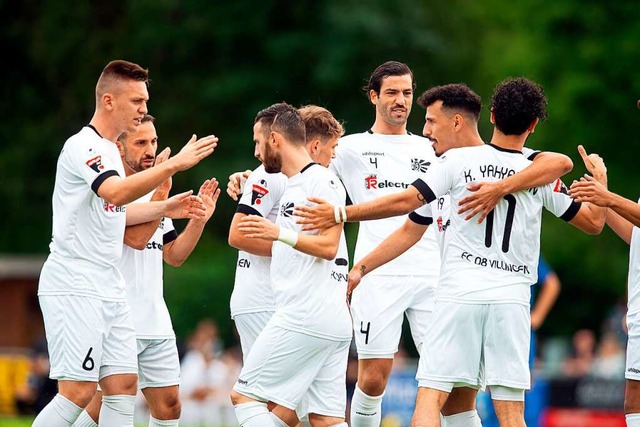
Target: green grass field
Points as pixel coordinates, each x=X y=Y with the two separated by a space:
x=15 y=422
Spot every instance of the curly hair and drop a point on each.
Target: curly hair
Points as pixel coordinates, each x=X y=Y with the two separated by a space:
x=456 y=96
x=516 y=103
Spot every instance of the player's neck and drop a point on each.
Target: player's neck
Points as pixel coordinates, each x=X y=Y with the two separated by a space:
x=104 y=127
x=294 y=160
x=509 y=142
x=472 y=138
x=383 y=128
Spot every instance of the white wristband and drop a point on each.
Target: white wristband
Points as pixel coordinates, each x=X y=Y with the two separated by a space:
x=343 y=211
x=336 y=214
x=288 y=237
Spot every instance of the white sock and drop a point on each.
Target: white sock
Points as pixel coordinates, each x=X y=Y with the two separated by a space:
x=633 y=420
x=463 y=419
x=277 y=422
x=253 y=414
x=365 y=410
x=60 y=412
x=162 y=423
x=85 y=420
x=117 y=411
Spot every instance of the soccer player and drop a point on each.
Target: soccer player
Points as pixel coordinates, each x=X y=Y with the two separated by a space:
x=451 y=121
x=483 y=297
x=88 y=324
x=146 y=245
x=623 y=217
x=252 y=300
x=303 y=349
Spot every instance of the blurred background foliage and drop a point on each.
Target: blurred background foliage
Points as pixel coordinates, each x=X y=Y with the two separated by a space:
x=215 y=64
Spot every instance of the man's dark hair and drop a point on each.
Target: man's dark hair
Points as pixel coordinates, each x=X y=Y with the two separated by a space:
x=268 y=115
x=289 y=123
x=119 y=71
x=389 y=68
x=145 y=119
x=456 y=96
x=516 y=103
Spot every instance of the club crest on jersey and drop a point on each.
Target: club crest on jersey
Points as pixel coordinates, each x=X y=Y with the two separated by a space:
x=258 y=191
x=95 y=164
x=286 y=209
x=419 y=165
x=559 y=187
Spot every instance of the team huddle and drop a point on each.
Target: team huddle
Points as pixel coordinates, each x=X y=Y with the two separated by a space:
x=459 y=265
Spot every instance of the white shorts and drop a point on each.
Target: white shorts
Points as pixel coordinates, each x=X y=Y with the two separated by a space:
x=477 y=344
x=158 y=364
x=632 y=370
x=88 y=339
x=249 y=326
x=289 y=368
x=378 y=305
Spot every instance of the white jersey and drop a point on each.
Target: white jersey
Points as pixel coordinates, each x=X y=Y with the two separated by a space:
x=87 y=231
x=252 y=289
x=634 y=272
x=142 y=272
x=310 y=292
x=496 y=261
x=372 y=165
x=438 y=212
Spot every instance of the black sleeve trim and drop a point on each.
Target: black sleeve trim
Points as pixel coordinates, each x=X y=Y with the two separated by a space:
x=424 y=189
x=101 y=178
x=247 y=210
x=169 y=237
x=533 y=155
x=571 y=211
x=419 y=219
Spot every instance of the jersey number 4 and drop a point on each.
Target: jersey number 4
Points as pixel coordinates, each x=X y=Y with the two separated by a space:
x=508 y=224
x=365 y=331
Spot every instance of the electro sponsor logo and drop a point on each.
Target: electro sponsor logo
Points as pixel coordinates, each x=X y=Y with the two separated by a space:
x=258 y=191
x=419 y=165
x=286 y=210
x=494 y=263
x=154 y=245
x=95 y=164
x=108 y=207
x=244 y=263
x=442 y=226
x=372 y=182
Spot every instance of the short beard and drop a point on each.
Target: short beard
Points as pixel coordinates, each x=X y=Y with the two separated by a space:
x=272 y=161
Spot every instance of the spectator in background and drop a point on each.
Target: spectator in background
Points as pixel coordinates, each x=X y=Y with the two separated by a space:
x=609 y=362
x=204 y=387
x=543 y=297
x=581 y=361
x=33 y=396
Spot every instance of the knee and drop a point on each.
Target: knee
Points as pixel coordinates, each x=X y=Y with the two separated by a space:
x=170 y=408
x=80 y=394
x=372 y=382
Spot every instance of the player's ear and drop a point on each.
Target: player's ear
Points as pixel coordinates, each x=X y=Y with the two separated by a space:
x=532 y=126
x=120 y=146
x=492 y=117
x=373 y=97
x=108 y=101
x=458 y=121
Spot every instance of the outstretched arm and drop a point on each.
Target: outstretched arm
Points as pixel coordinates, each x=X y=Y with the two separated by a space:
x=322 y=245
x=323 y=214
x=176 y=252
x=240 y=241
x=546 y=168
x=390 y=248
